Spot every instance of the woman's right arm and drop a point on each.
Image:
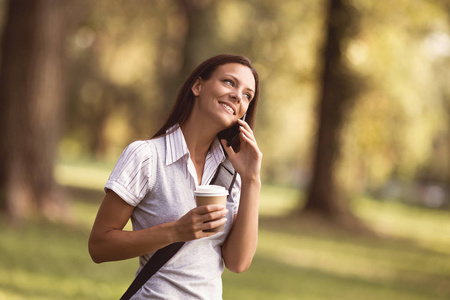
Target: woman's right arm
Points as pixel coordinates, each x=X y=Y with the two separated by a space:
x=109 y=242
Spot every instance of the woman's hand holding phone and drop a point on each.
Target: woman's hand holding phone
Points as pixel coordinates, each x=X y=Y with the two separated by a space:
x=247 y=161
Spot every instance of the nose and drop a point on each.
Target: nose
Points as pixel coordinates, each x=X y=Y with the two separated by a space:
x=236 y=96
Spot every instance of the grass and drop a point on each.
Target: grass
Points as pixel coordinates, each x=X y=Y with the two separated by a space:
x=297 y=257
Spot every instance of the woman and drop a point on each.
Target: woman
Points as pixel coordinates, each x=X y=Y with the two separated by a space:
x=153 y=184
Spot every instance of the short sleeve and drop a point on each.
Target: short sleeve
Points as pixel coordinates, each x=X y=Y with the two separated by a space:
x=131 y=176
x=236 y=194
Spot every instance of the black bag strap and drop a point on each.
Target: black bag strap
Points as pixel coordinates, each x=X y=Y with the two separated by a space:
x=151 y=267
x=225 y=176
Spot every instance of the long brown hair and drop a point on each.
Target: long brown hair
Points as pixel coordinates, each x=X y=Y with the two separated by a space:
x=185 y=99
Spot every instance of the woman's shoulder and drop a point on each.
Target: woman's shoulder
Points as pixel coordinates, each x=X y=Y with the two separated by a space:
x=145 y=148
x=144 y=144
x=138 y=146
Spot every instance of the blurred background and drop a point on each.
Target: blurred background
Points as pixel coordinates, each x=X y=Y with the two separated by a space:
x=353 y=122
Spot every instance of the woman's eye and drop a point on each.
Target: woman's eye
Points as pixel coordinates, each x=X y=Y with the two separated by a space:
x=248 y=96
x=229 y=82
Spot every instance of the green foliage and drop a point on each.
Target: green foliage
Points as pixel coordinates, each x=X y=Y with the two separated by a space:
x=399 y=125
x=127 y=60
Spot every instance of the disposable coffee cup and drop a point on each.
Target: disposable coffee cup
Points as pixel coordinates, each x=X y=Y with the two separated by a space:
x=211 y=194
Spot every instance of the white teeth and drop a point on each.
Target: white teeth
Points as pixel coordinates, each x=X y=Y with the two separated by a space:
x=227 y=107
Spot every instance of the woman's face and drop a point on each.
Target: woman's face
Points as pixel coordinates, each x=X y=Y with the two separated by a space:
x=226 y=95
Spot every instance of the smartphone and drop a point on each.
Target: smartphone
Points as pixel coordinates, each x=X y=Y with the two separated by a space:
x=232 y=135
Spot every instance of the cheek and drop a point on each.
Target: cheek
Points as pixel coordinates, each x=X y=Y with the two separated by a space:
x=216 y=91
x=244 y=107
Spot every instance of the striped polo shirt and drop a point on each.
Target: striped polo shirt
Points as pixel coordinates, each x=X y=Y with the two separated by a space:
x=158 y=178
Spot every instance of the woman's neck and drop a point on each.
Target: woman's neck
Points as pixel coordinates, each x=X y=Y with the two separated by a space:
x=198 y=139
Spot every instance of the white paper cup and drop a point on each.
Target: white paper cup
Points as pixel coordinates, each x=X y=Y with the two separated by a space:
x=211 y=194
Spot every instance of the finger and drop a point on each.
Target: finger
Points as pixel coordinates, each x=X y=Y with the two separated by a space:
x=214 y=224
x=205 y=209
x=248 y=138
x=251 y=146
x=245 y=125
x=213 y=215
x=246 y=133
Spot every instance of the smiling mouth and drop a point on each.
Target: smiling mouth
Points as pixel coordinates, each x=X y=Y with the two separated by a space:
x=228 y=108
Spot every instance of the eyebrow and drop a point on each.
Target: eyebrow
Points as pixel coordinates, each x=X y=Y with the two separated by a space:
x=235 y=78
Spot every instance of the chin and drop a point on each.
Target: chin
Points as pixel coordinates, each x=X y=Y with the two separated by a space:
x=227 y=121
x=230 y=124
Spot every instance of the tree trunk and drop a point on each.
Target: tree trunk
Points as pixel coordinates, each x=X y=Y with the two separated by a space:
x=199 y=19
x=31 y=89
x=335 y=99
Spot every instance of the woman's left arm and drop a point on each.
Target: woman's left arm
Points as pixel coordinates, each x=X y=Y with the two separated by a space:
x=240 y=245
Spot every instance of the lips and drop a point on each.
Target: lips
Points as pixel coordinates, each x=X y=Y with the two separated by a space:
x=228 y=108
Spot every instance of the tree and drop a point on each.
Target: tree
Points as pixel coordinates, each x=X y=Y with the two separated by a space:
x=199 y=30
x=336 y=96
x=31 y=89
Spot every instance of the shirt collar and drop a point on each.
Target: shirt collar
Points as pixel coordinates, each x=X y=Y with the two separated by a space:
x=217 y=152
x=176 y=147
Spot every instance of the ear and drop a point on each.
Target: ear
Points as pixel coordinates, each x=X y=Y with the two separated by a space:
x=196 y=88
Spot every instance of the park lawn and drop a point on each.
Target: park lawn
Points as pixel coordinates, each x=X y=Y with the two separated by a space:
x=297 y=257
